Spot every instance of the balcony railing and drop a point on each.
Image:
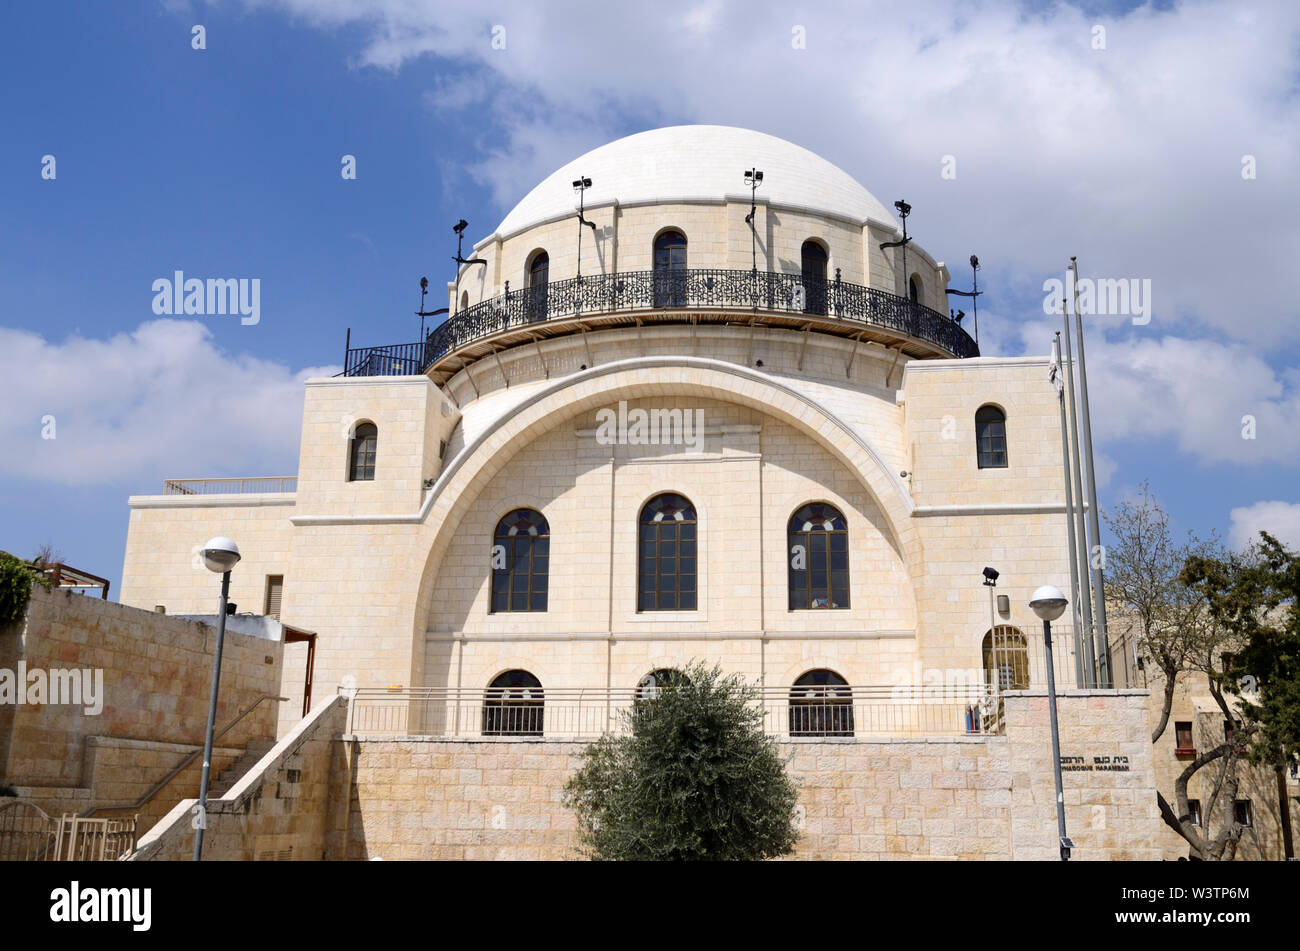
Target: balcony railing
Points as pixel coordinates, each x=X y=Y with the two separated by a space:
x=843 y=712
x=261 y=484
x=694 y=288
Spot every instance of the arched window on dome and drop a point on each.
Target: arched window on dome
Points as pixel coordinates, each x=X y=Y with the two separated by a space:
x=813 y=271
x=666 y=563
x=514 y=705
x=914 y=289
x=821 y=704
x=521 y=550
x=1006 y=658
x=361 y=461
x=464 y=300
x=670 y=269
x=991 y=437
x=539 y=269
x=818 y=552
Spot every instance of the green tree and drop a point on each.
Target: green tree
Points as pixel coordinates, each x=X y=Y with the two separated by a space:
x=1179 y=635
x=1256 y=597
x=694 y=777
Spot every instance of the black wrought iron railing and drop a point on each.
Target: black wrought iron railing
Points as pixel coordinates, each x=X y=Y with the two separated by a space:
x=665 y=290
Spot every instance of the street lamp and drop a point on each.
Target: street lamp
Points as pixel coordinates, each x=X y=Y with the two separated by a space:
x=220 y=554
x=1049 y=604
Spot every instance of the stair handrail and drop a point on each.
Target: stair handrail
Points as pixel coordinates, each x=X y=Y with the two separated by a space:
x=189 y=758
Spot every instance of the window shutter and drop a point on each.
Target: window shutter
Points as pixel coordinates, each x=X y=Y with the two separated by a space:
x=274 y=589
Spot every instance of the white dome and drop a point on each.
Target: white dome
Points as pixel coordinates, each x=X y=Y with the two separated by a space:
x=687 y=162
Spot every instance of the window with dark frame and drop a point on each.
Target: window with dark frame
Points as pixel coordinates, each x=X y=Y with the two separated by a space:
x=1243 y=812
x=1183 y=737
x=365 y=442
x=539 y=271
x=991 y=437
x=813 y=272
x=521 y=549
x=514 y=705
x=817 y=546
x=667 y=571
x=1194 y=811
x=670 y=269
x=648 y=687
x=821 y=704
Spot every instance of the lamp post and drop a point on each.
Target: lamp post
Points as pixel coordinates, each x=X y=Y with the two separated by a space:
x=991 y=582
x=753 y=178
x=1049 y=603
x=220 y=554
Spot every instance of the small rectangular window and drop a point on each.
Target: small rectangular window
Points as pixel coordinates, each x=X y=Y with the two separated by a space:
x=1242 y=812
x=1194 y=811
x=274 y=592
x=1183 y=737
x=1229 y=730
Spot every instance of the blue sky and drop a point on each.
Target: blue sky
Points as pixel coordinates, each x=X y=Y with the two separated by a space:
x=225 y=162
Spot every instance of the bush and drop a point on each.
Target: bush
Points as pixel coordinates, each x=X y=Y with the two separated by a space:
x=694 y=778
x=16 y=579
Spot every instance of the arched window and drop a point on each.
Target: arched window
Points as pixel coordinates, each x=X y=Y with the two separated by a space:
x=813 y=270
x=821 y=704
x=991 y=437
x=538 y=277
x=521 y=549
x=914 y=289
x=1006 y=658
x=818 y=550
x=464 y=300
x=648 y=687
x=666 y=567
x=513 y=705
x=365 y=441
x=670 y=269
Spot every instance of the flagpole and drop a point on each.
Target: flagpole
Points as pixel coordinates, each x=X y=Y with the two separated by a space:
x=1084 y=636
x=1085 y=424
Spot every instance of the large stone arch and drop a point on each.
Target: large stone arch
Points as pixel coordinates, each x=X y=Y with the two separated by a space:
x=555 y=404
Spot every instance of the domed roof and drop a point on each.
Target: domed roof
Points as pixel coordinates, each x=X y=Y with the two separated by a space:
x=697 y=162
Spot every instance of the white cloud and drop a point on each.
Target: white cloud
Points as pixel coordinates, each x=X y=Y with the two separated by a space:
x=145 y=406
x=1129 y=157
x=1200 y=393
x=1279 y=519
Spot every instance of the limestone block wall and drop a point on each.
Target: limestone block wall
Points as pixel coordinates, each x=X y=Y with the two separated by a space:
x=979 y=797
x=285 y=808
x=166 y=533
x=717 y=237
x=1110 y=812
x=407 y=411
x=941 y=399
x=156 y=675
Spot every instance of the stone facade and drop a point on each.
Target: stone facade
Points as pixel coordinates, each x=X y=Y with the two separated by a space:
x=156 y=677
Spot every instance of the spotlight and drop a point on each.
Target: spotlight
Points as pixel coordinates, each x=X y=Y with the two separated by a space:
x=974 y=262
x=460 y=226
x=904 y=209
x=582 y=183
x=990 y=576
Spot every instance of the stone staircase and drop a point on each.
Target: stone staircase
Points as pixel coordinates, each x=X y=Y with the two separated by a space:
x=233 y=773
